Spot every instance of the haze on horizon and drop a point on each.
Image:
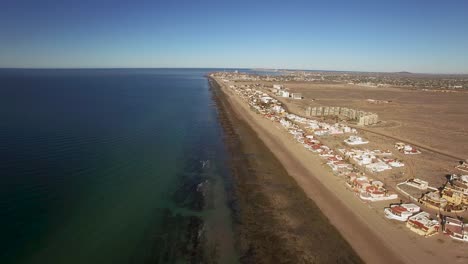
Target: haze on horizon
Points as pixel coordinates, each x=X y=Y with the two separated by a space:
x=416 y=36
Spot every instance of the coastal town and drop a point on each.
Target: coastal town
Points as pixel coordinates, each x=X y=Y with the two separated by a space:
x=234 y=132
x=376 y=176
x=399 y=79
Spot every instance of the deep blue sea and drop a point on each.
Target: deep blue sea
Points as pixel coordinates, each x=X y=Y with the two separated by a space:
x=111 y=166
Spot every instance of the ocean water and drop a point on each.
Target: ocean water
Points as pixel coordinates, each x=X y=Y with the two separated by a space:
x=112 y=166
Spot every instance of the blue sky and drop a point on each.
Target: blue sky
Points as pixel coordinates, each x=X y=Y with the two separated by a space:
x=416 y=36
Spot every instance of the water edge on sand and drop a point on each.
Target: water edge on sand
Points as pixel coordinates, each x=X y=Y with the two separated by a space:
x=275 y=221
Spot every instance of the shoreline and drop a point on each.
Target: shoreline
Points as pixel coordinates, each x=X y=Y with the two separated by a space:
x=275 y=221
x=373 y=237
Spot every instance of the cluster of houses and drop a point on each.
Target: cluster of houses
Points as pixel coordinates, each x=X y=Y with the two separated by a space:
x=372 y=160
x=455 y=228
x=450 y=198
x=453 y=196
x=279 y=90
x=368 y=189
x=406 y=149
x=365 y=188
x=463 y=166
x=423 y=224
x=307 y=131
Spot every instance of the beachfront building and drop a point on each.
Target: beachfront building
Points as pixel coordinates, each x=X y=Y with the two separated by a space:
x=422 y=224
x=368 y=189
x=401 y=212
x=452 y=197
x=455 y=228
x=378 y=166
x=355 y=140
x=455 y=192
x=406 y=149
x=393 y=162
x=283 y=93
x=278 y=109
x=433 y=200
x=339 y=166
x=418 y=184
x=297 y=96
x=278 y=86
x=382 y=153
x=455 y=200
x=458 y=183
x=463 y=166
x=357 y=182
x=285 y=123
x=369 y=159
x=376 y=192
x=267 y=99
x=363 y=159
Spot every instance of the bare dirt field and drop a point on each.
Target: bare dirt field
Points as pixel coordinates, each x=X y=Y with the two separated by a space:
x=435 y=121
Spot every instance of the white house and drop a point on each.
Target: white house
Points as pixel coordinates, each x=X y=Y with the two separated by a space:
x=297 y=96
x=266 y=99
x=277 y=86
x=284 y=93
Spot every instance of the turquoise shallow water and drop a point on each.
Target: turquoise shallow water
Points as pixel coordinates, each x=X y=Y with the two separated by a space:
x=104 y=166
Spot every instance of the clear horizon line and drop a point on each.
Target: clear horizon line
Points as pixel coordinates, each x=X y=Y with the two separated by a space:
x=230 y=68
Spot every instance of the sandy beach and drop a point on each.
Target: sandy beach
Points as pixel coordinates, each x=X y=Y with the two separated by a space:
x=275 y=221
x=374 y=238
